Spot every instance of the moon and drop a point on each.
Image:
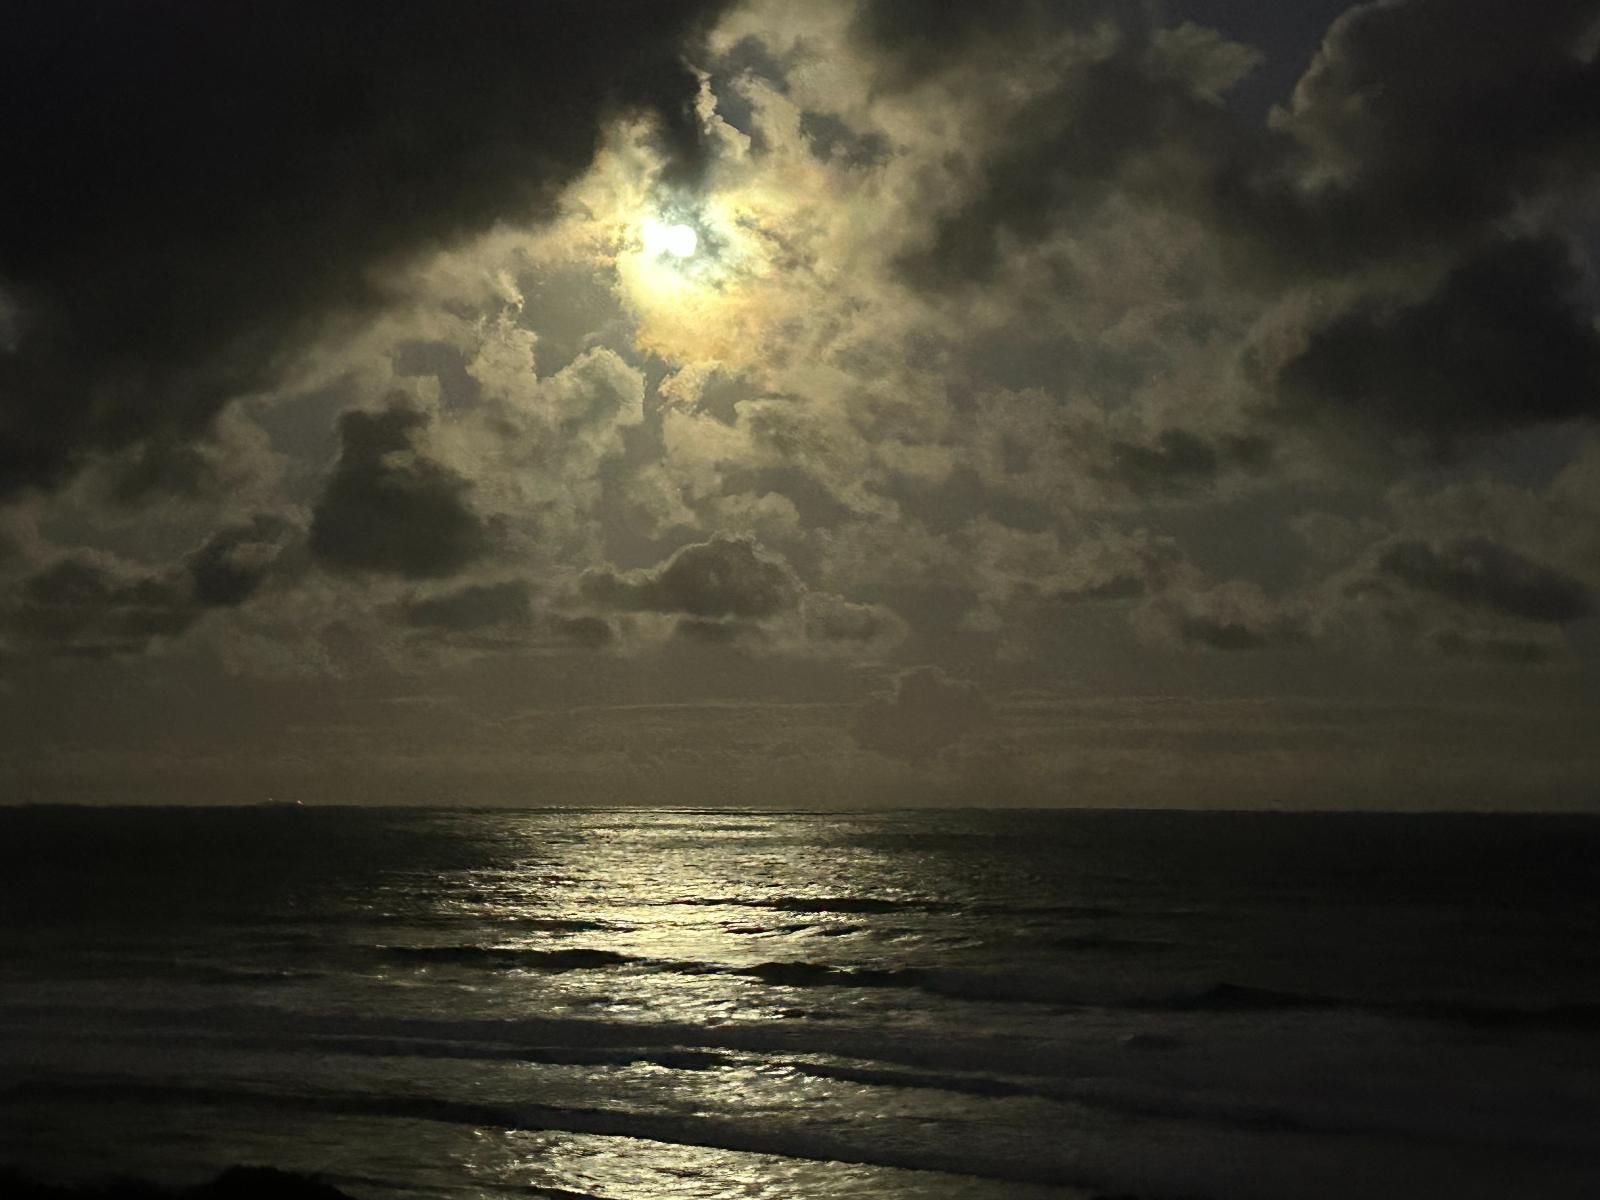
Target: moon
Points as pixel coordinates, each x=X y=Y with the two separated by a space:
x=678 y=241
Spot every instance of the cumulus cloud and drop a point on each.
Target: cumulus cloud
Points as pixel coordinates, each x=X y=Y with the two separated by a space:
x=498 y=618
x=725 y=577
x=83 y=607
x=831 y=620
x=730 y=591
x=229 y=568
x=1379 y=195
x=1502 y=648
x=1181 y=461
x=1389 y=159
x=1233 y=616
x=926 y=713
x=590 y=632
x=391 y=509
x=473 y=607
x=1479 y=573
x=1112 y=110
x=96 y=606
x=1500 y=343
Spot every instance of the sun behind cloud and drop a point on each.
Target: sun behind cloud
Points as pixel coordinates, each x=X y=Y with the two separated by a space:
x=673 y=239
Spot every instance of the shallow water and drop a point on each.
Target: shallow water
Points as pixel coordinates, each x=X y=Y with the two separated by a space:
x=640 y=1004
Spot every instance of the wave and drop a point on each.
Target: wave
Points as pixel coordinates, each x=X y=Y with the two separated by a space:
x=885 y=905
x=849 y=904
x=235 y=1183
x=561 y=924
x=818 y=905
x=573 y=959
x=808 y=975
x=814 y=1143
x=1232 y=997
x=1054 y=989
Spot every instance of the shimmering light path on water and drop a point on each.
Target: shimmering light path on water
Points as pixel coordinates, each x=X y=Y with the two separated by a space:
x=665 y=1004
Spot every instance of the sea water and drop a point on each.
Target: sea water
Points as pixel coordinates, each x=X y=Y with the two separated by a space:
x=654 y=1004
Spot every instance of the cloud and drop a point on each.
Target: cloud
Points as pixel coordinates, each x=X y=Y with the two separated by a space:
x=234 y=562
x=1181 y=461
x=715 y=633
x=95 y=605
x=498 y=618
x=1516 y=651
x=830 y=620
x=832 y=139
x=1385 y=159
x=592 y=633
x=730 y=591
x=83 y=607
x=925 y=714
x=1500 y=343
x=1069 y=111
x=1233 y=616
x=476 y=606
x=389 y=508
x=1476 y=572
x=272 y=159
x=724 y=577
x=921 y=37
x=1374 y=179
x=1113 y=566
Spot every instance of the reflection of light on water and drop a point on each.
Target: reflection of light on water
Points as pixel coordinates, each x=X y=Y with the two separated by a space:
x=649 y=1170
x=697 y=904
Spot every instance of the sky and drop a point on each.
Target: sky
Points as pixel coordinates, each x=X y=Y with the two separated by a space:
x=856 y=402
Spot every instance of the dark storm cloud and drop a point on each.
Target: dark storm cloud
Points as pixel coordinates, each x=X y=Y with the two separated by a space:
x=949 y=503
x=1501 y=343
x=592 y=633
x=1128 y=586
x=1230 y=617
x=95 y=607
x=831 y=139
x=831 y=619
x=228 y=569
x=390 y=509
x=926 y=713
x=920 y=37
x=1434 y=118
x=192 y=186
x=1180 y=461
x=1478 y=573
x=1373 y=159
x=1215 y=633
x=474 y=607
x=712 y=633
x=83 y=607
x=1118 y=569
x=725 y=577
x=1062 y=154
x=1515 y=651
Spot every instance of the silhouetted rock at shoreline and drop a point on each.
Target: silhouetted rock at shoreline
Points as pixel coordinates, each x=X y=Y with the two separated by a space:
x=236 y=1183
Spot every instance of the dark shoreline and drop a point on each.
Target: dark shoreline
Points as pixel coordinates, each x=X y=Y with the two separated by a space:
x=235 y=1183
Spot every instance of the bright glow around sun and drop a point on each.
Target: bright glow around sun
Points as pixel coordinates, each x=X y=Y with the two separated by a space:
x=680 y=241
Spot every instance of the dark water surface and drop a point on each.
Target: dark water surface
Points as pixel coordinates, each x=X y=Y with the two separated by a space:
x=649 y=1004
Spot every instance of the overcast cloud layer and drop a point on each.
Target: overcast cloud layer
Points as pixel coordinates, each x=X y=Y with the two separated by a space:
x=1064 y=402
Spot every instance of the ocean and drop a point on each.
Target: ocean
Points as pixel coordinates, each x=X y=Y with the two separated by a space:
x=699 y=1005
